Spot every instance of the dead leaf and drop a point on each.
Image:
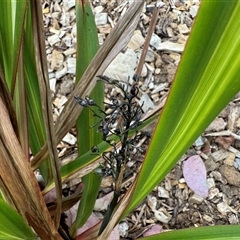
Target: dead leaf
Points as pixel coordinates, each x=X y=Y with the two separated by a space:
x=195 y=174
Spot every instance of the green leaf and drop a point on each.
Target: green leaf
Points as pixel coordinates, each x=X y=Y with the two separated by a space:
x=199 y=233
x=11 y=27
x=12 y=225
x=207 y=79
x=86 y=135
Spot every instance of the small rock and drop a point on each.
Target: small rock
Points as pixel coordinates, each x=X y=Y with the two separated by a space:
x=70 y=139
x=67 y=4
x=162 y=192
x=212 y=193
x=236 y=163
x=146 y=101
x=66 y=87
x=217 y=125
x=182 y=28
x=225 y=141
x=71 y=65
x=210 y=164
x=230 y=159
x=52 y=83
x=231 y=174
x=98 y=9
x=193 y=11
x=199 y=142
x=220 y=155
x=53 y=39
x=60 y=73
x=123 y=229
x=162 y=215
x=101 y=18
x=233 y=219
x=218 y=176
x=122 y=66
x=210 y=183
x=195 y=199
x=136 y=41
x=207 y=218
x=223 y=208
x=69 y=51
x=57 y=60
x=150 y=57
x=170 y=46
x=155 y=41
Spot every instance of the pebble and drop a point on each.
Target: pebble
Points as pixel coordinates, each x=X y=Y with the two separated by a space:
x=231 y=174
x=136 y=41
x=71 y=65
x=224 y=208
x=123 y=229
x=162 y=192
x=66 y=87
x=195 y=199
x=182 y=28
x=70 y=139
x=230 y=159
x=170 y=46
x=236 y=163
x=122 y=66
x=220 y=155
x=155 y=41
x=52 y=40
x=101 y=18
x=217 y=125
x=57 y=60
x=210 y=183
x=199 y=142
x=193 y=11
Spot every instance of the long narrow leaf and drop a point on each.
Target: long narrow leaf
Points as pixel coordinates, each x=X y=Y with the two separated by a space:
x=20 y=181
x=87 y=137
x=207 y=78
x=199 y=233
x=42 y=70
x=12 y=225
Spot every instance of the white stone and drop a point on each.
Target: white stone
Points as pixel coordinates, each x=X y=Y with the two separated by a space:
x=123 y=66
x=146 y=101
x=101 y=18
x=68 y=4
x=70 y=139
x=136 y=41
x=196 y=199
x=155 y=41
x=60 y=73
x=52 y=83
x=69 y=51
x=171 y=46
x=193 y=11
x=53 y=39
x=123 y=229
x=98 y=9
x=162 y=192
x=71 y=65
x=182 y=28
x=210 y=183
